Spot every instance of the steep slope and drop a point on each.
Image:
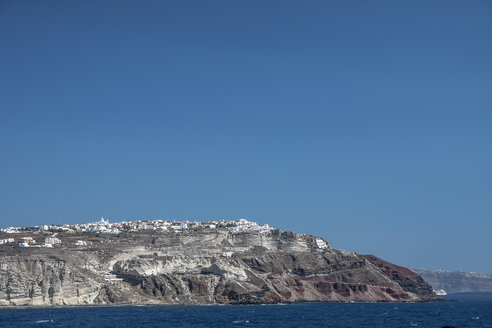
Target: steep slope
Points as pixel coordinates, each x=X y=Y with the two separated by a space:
x=217 y=267
x=407 y=279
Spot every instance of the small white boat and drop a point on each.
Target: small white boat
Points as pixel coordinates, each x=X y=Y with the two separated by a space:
x=440 y=292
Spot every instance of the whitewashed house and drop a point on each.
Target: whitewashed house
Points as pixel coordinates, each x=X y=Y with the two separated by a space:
x=51 y=241
x=321 y=243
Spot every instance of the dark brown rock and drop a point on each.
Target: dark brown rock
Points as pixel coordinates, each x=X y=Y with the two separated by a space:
x=199 y=268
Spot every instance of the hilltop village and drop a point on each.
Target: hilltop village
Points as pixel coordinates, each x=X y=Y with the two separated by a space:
x=183 y=262
x=103 y=226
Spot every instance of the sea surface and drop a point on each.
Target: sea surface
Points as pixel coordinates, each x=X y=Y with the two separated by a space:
x=465 y=311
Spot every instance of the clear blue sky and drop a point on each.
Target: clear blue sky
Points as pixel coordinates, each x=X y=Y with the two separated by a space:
x=366 y=122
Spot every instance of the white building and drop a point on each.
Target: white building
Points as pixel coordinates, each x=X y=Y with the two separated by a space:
x=28 y=240
x=321 y=243
x=99 y=228
x=104 y=222
x=51 y=241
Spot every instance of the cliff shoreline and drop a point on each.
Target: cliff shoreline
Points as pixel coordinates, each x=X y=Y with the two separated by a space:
x=198 y=268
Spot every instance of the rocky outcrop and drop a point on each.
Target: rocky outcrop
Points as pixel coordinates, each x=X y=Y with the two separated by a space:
x=216 y=267
x=45 y=280
x=407 y=279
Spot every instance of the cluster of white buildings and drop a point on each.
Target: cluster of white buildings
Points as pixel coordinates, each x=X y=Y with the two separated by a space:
x=245 y=225
x=12 y=230
x=48 y=242
x=104 y=226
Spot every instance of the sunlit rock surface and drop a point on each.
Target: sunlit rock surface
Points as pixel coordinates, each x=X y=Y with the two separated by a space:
x=198 y=267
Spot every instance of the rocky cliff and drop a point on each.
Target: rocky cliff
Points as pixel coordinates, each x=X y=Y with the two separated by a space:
x=190 y=267
x=457 y=281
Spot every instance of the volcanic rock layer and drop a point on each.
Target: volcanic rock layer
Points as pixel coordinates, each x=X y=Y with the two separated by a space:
x=215 y=267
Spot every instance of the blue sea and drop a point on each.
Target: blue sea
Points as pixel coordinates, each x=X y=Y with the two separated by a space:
x=464 y=311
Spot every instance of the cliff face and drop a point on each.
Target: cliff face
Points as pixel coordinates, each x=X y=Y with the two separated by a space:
x=199 y=268
x=42 y=280
x=457 y=281
x=407 y=279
